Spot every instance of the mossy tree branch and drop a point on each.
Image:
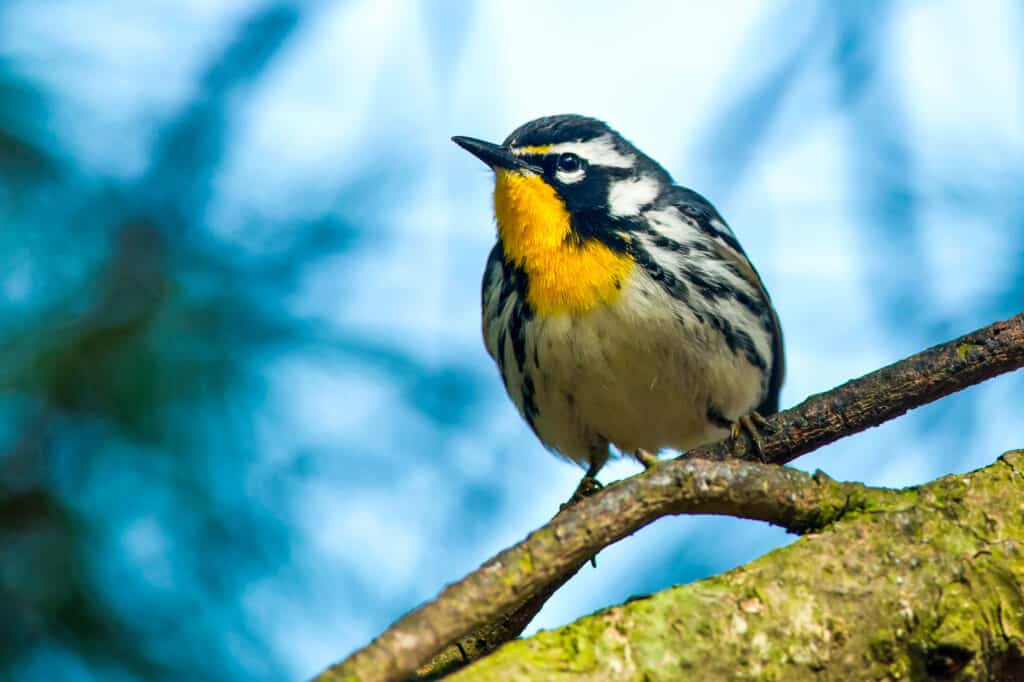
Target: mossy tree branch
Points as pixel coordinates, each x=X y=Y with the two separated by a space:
x=925 y=583
x=546 y=556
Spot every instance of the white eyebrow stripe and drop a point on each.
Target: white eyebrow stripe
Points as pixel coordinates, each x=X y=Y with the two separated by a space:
x=600 y=151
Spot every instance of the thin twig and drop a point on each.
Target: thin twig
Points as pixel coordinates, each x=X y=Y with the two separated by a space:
x=692 y=484
x=484 y=639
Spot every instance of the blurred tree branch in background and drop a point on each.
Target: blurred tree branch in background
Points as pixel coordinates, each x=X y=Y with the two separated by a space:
x=689 y=485
x=125 y=352
x=140 y=506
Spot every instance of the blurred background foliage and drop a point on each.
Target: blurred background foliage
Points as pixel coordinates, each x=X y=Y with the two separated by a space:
x=245 y=416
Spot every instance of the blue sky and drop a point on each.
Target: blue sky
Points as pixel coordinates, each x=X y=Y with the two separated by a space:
x=745 y=102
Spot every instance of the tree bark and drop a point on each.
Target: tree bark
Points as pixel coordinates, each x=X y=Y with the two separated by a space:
x=922 y=583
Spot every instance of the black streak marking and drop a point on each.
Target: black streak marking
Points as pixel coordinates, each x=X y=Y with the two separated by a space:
x=700 y=211
x=502 y=340
x=517 y=328
x=738 y=340
x=512 y=298
x=669 y=282
x=713 y=289
x=514 y=284
x=529 y=404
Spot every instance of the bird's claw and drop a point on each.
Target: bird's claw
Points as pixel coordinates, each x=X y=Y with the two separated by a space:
x=751 y=424
x=648 y=459
x=587 y=487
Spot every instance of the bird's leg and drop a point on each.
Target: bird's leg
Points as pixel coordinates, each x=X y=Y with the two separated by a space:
x=587 y=487
x=752 y=424
x=589 y=483
x=648 y=459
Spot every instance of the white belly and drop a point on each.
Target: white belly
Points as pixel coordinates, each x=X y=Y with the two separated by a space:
x=639 y=373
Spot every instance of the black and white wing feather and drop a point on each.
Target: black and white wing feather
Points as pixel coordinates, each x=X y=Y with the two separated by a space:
x=724 y=246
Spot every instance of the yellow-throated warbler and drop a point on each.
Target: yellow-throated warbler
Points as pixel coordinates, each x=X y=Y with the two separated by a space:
x=619 y=307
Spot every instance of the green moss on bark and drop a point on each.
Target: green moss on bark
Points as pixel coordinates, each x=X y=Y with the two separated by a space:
x=922 y=583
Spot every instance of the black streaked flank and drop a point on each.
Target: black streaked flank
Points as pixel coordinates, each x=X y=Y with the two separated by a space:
x=518 y=317
x=529 y=402
x=737 y=340
x=517 y=330
x=514 y=294
x=502 y=341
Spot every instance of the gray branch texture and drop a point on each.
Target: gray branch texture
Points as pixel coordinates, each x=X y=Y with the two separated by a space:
x=922 y=583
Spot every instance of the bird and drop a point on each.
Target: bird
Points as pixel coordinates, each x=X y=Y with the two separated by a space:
x=619 y=307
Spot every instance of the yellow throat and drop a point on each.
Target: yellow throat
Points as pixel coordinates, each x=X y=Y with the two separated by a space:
x=564 y=275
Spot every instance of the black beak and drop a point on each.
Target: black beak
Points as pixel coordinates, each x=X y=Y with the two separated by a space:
x=493 y=155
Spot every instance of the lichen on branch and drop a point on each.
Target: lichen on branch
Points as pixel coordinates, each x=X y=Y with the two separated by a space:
x=922 y=583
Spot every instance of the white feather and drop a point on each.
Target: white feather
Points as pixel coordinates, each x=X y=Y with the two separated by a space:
x=627 y=197
x=674 y=225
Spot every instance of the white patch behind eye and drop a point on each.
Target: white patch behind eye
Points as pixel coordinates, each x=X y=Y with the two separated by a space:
x=627 y=197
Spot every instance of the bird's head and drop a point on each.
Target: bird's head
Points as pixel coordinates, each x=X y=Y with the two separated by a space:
x=568 y=192
x=567 y=177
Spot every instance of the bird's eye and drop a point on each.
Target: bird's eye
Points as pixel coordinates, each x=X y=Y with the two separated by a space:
x=568 y=162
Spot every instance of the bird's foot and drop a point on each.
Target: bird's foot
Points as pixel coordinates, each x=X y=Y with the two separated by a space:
x=751 y=424
x=587 y=487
